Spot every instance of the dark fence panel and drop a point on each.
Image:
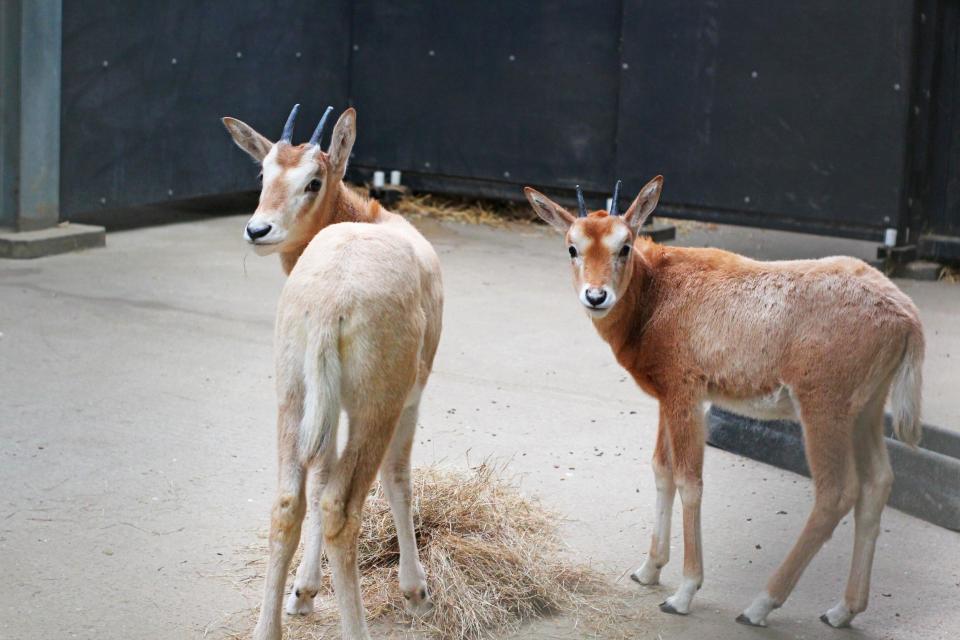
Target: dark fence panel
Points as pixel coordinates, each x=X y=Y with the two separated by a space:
x=939 y=204
x=827 y=117
x=144 y=86
x=790 y=111
x=517 y=92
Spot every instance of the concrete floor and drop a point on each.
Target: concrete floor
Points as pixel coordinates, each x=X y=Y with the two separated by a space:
x=137 y=439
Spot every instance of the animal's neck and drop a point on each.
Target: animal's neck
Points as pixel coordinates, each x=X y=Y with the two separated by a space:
x=338 y=205
x=623 y=327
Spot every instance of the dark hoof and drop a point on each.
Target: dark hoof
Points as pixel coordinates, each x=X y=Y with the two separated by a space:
x=825 y=620
x=666 y=607
x=742 y=619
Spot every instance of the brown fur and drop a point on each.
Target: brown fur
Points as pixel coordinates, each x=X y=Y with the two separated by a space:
x=693 y=326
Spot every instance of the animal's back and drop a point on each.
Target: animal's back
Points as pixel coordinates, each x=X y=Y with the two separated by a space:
x=786 y=300
x=351 y=263
x=360 y=301
x=756 y=326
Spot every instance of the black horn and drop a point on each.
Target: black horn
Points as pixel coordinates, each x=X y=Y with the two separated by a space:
x=580 y=203
x=616 y=196
x=318 y=132
x=288 y=128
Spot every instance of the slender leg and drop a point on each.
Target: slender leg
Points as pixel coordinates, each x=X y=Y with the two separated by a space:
x=342 y=504
x=395 y=476
x=832 y=466
x=285 y=524
x=307 y=583
x=686 y=429
x=876 y=479
x=649 y=571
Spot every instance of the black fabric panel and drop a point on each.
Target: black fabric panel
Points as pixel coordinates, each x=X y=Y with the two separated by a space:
x=787 y=109
x=141 y=126
x=521 y=92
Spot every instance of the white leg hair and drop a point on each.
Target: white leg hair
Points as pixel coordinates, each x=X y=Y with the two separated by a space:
x=686 y=432
x=395 y=476
x=690 y=497
x=876 y=480
x=649 y=571
x=756 y=614
x=307 y=583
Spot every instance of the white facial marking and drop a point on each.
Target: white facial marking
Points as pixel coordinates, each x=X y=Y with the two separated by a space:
x=300 y=175
x=280 y=215
x=581 y=243
x=270 y=167
x=602 y=308
x=615 y=238
x=578 y=239
x=269 y=172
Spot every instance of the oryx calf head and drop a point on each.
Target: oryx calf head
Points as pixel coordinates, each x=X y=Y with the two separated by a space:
x=599 y=243
x=297 y=180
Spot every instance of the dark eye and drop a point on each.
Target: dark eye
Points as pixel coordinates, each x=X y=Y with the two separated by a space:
x=573 y=251
x=625 y=251
x=260 y=177
x=314 y=185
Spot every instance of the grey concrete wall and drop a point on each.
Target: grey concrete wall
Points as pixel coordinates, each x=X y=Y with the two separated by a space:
x=30 y=118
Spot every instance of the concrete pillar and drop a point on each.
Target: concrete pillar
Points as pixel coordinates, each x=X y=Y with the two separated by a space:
x=30 y=49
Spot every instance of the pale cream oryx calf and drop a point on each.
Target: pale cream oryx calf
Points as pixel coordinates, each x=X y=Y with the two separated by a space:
x=357 y=328
x=822 y=341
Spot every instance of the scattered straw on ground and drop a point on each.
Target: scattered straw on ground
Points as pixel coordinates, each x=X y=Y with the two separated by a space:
x=950 y=274
x=493 y=561
x=490 y=212
x=493 y=213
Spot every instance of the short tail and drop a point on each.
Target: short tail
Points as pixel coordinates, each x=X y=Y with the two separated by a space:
x=321 y=387
x=906 y=392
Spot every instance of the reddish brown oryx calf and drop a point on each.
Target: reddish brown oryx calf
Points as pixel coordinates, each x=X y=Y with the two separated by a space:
x=357 y=328
x=822 y=341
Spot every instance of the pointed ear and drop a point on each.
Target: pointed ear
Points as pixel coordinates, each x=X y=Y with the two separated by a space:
x=551 y=213
x=644 y=205
x=247 y=138
x=341 y=141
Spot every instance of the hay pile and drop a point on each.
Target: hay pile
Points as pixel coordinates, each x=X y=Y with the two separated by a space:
x=451 y=208
x=492 y=557
x=493 y=213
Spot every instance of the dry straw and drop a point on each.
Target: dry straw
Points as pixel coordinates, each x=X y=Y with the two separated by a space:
x=493 y=213
x=493 y=561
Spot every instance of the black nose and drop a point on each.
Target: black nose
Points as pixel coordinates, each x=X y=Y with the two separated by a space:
x=596 y=296
x=258 y=230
